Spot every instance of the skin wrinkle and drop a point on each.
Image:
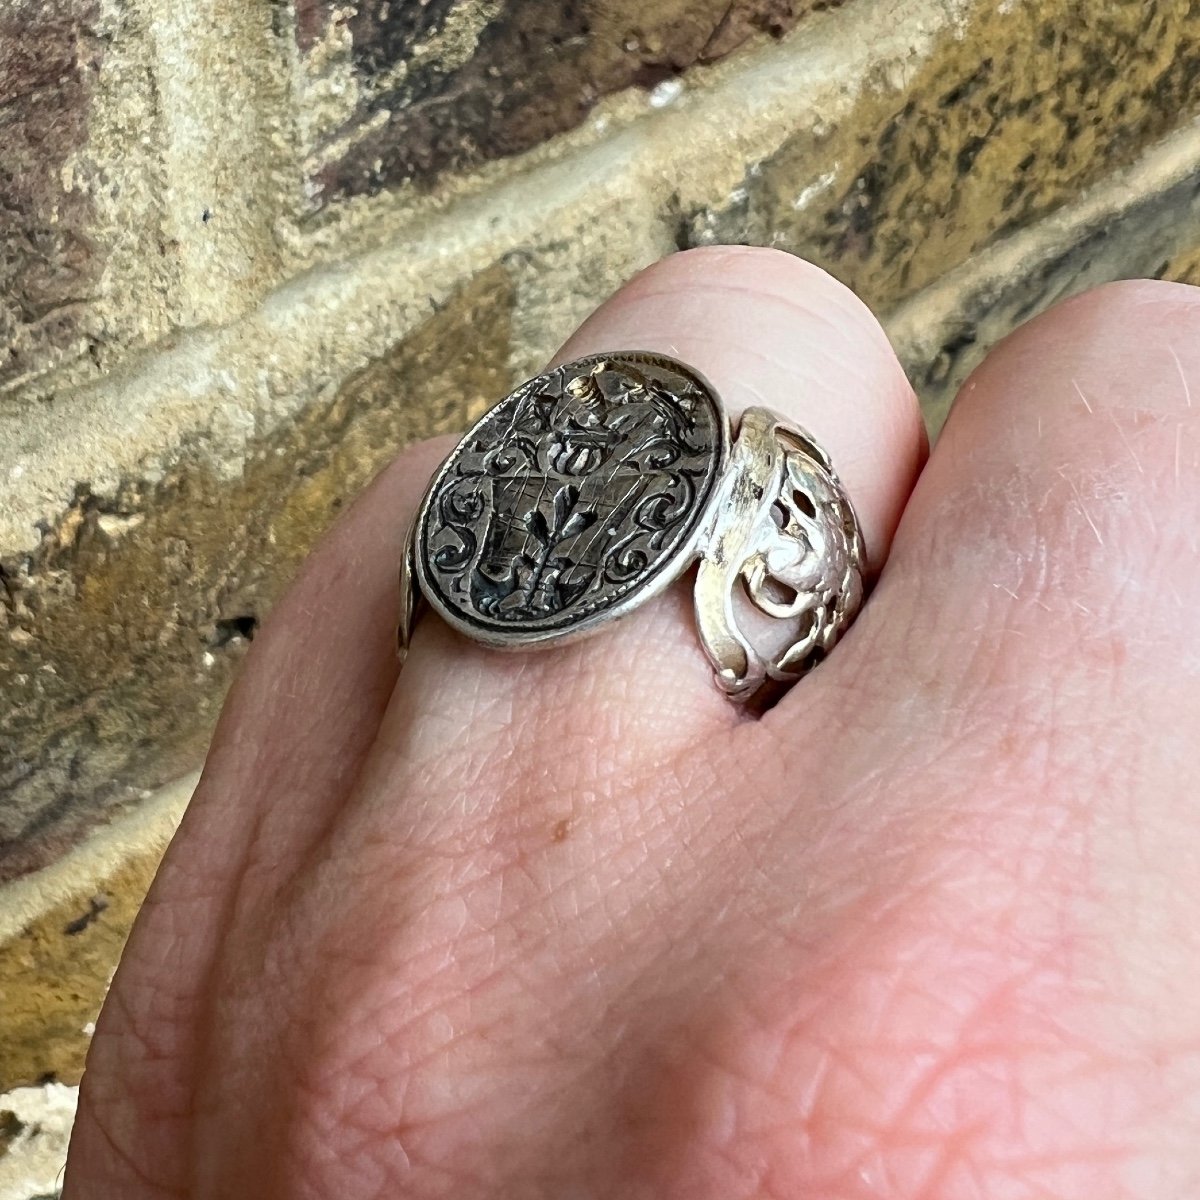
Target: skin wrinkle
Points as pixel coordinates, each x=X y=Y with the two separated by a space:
x=1045 y=585
x=533 y=822
x=831 y=295
x=599 y=692
x=811 y=1119
x=982 y=1012
x=206 y=1024
x=1183 y=379
x=235 y=745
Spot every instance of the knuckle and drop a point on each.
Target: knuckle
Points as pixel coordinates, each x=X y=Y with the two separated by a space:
x=1076 y=456
x=1127 y=297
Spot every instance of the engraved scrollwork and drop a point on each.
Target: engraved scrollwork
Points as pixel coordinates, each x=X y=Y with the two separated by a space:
x=787 y=543
x=651 y=522
x=571 y=494
x=460 y=509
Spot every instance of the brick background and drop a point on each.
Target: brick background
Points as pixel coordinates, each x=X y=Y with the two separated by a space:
x=992 y=133
x=49 y=57
x=454 y=83
x=251 y=247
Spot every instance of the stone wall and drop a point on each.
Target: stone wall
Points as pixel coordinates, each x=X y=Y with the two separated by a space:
x=248 y=248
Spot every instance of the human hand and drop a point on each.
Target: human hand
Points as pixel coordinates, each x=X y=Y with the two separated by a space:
x=569 y=924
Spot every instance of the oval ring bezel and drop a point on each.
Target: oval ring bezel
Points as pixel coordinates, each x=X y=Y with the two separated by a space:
x=666 y=571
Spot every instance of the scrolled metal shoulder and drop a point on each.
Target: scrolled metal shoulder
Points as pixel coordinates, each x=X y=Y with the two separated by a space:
x=785 y=541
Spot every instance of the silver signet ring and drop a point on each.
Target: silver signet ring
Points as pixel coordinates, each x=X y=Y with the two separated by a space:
x=592 y=487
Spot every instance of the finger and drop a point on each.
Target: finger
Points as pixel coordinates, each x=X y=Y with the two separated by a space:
x=534 y=834
x=1055 y=533
x=1056 y=513
x=319 y=675
x=291 y=737
x=1021 y=753
x=765 y=328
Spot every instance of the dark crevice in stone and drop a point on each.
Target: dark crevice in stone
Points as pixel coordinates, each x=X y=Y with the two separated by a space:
x=968 y=153
x=11 y=1127
x=95 y=907
x=228 y=629
x=965 y=88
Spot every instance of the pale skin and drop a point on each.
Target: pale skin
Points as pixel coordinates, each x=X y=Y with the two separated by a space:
x=569 y=925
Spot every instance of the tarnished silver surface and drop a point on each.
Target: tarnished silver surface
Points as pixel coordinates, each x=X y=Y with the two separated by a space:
x=572 y=500
x=593 y=486
x=784 y=541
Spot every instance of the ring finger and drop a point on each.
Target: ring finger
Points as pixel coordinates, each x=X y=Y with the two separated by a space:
x=764 y=328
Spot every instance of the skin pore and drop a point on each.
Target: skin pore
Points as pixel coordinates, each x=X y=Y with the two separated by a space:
x=569 y=924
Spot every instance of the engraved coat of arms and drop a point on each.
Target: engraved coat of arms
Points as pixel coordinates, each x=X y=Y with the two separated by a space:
x=570 y=494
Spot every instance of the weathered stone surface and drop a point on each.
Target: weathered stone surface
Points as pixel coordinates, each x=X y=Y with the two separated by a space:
x=1014 y=112
x=145 y=152
x=1142 y=222
x=49 y=57
x=128 y=693
x=441 y=86
x=81 y=208
x=1183 y=266
x=38 y=1123
x=53 y=976
x=61 y=932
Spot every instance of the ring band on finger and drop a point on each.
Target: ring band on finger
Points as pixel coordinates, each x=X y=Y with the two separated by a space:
x=592 y=487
